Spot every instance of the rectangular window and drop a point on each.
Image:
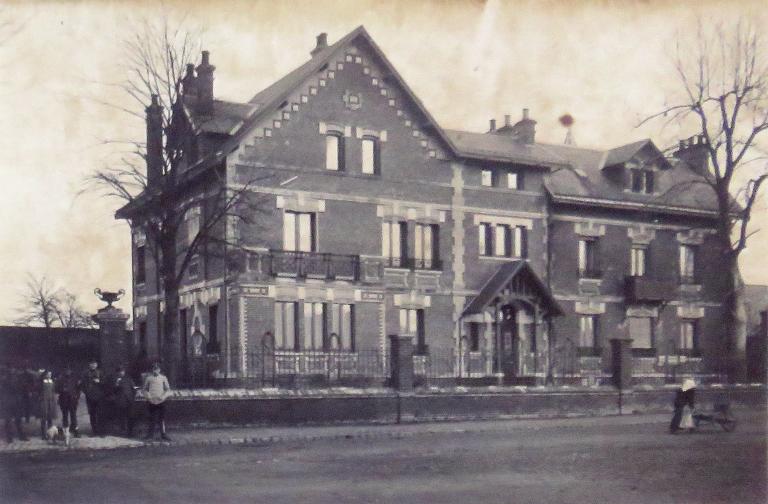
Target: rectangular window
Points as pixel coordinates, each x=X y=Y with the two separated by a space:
x=588 y=332
x=371 y=156
x=485 y=238
x=426 y=246
x=641 y=332
x=286 y=326
x=514 y=180
x=688 y=343
x=502 y=241
x=637 y=259
x=687 y=264
x=412 y=324
x=649 y=182
x=486 y=178
x=342 y=331
x=314 y=326
x=213 y=329
x=521 y=241
x=334 y=152
x=588 y=259
x=641 y=181
x=141 y=264
x=394 y=236
x=299 y=232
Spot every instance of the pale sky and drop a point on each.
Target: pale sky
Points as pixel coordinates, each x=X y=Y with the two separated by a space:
x=606 y=63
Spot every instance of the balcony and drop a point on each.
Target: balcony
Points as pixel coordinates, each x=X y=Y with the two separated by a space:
x=314 y=265
x=647 y=289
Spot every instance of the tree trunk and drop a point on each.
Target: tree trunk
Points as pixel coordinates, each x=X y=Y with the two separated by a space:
x=736 y=325
x=171 y=343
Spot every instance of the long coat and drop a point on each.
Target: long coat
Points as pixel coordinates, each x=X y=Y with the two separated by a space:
x=124 y=392
x=68 y=388
x=93 y=385
x=48 y=399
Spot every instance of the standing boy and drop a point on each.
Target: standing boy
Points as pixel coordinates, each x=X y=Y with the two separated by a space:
x=156 y=390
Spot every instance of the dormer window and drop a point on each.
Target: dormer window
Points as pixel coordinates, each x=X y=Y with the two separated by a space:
x=641 y=181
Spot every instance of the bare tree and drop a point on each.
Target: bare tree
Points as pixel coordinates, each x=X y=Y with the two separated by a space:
x=47 y=306
x=157 y=55
x=722 y=80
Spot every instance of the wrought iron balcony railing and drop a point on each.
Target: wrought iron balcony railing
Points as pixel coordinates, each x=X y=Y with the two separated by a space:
x=314 y=265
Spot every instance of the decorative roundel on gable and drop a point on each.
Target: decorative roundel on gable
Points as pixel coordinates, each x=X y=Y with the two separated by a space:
x=353 y=101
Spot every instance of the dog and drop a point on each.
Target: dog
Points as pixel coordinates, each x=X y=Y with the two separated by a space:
x=56 y=434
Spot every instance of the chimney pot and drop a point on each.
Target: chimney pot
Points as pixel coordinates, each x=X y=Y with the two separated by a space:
x=155 y=99
x=206 y=56
x=507 y=120
x=525 y=113
x=493 y=124
x=322 y=43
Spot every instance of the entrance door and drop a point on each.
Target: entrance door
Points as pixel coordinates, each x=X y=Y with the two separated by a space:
x=509 y=341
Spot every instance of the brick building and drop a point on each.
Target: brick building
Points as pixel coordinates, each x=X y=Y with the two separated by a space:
x=515 y=256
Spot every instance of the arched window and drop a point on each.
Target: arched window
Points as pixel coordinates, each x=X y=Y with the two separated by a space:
x=334 y=152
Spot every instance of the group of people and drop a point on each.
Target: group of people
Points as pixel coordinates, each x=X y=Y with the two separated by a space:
x=25 y=393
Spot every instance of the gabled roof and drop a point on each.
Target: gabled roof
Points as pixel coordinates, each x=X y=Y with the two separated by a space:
x=503 y=276
x=625 y=153
x=270 y=99
x=502 y=148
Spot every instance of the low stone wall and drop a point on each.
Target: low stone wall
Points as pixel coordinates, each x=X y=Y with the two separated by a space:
x=388 y=407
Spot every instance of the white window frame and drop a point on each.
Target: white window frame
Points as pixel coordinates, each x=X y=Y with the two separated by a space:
x=299 y=231
x=343 y=325
x=313 y=328
x=391 y=242
x=588 y=331
x=486 y=177
x=334 y=148
x=286 y=321
x=513 y=180
x=369 y=155
x=687 y=261
x=638 y=258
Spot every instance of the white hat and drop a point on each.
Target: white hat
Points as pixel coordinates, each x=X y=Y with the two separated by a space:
x=688 y=384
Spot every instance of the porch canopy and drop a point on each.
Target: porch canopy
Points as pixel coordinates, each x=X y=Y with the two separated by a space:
x=514 y=281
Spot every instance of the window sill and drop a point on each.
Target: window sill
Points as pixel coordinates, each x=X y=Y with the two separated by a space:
x=503 y=258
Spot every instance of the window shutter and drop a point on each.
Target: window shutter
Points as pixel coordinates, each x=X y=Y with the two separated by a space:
x=403 y=243
x=340 y=150
x=523 y=241
x=489 y=240
x=420 y=336
x=507 y=241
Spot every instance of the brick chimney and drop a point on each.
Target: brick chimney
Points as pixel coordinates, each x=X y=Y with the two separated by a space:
x=493 y=126
x=189 y=83
x=694 y=152
x=205 y=85
x=154 y=142
x=322 y=43
x=525 y=128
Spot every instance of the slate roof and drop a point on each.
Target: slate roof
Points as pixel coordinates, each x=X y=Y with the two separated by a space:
x=501 y=148
x=501 y=278
x=678 y=188
x=227 y=116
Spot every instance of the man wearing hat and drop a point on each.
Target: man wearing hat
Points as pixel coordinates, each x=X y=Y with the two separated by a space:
x=156 y=390
x=683 y=397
